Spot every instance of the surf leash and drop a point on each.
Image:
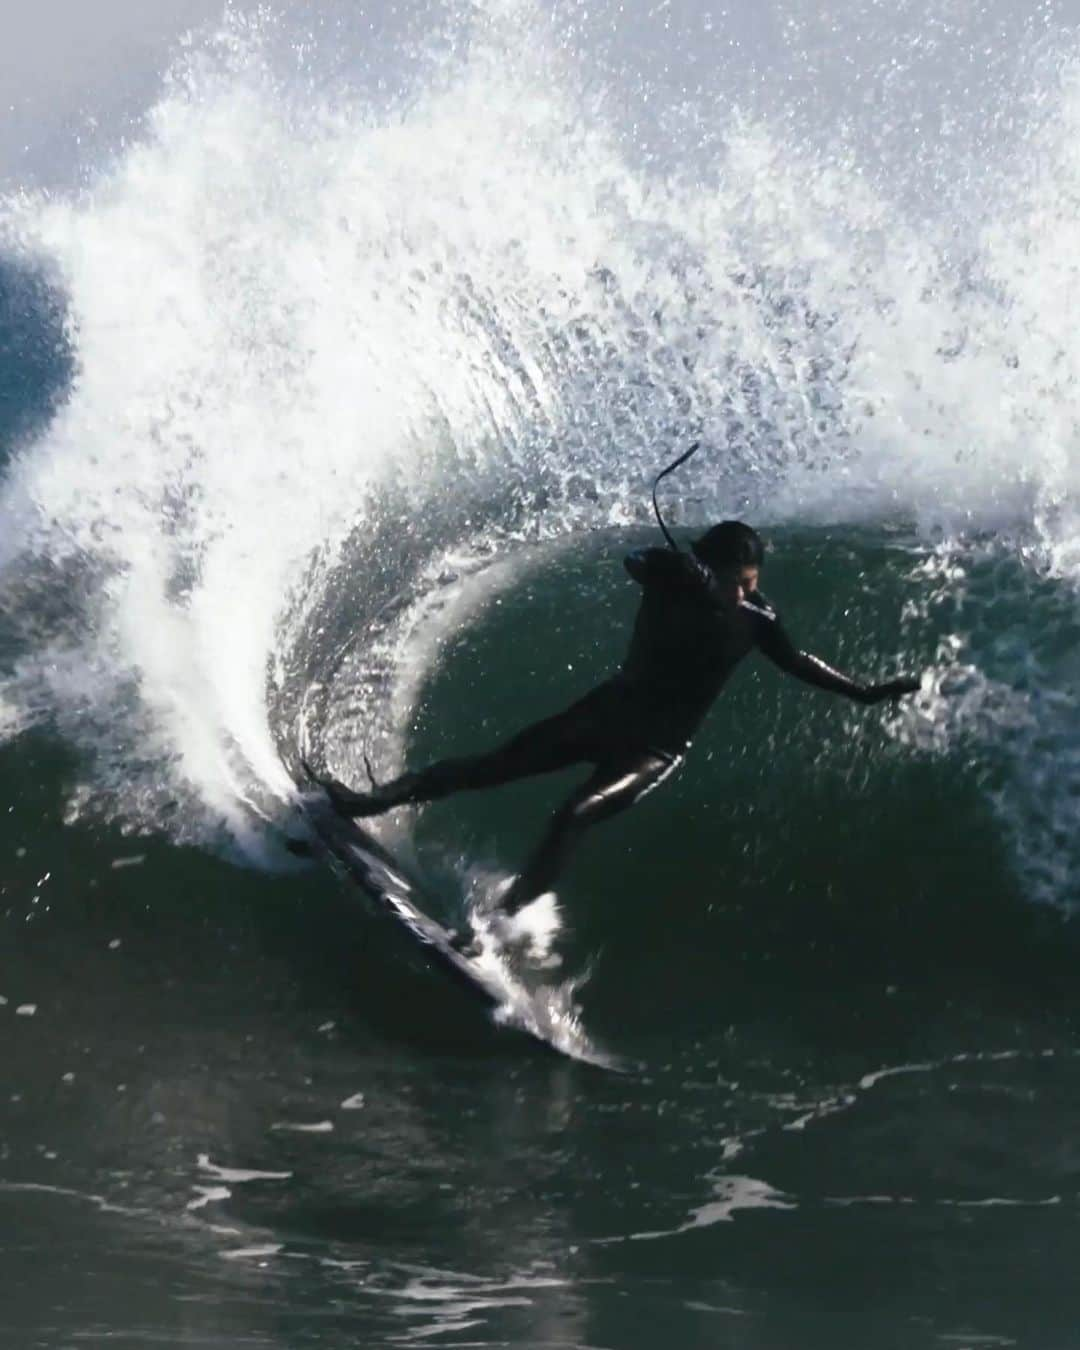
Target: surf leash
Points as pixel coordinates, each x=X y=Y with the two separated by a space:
x=675 y=463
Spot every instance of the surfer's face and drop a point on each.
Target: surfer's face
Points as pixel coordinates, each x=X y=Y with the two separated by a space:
x=738 y=585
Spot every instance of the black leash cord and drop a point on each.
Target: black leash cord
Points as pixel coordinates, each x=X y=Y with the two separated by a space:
x=656 y=483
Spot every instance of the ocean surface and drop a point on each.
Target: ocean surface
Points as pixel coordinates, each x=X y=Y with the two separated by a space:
x=328 y=412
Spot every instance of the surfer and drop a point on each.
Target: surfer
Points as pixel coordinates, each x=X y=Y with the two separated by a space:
x=700 y=613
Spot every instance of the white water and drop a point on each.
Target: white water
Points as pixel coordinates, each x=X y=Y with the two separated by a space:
x=300 y=321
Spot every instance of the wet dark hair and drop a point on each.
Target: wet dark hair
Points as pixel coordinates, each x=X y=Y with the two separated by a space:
x=730 y=544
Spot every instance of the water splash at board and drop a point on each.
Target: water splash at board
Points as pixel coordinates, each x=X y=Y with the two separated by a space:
x=516 y=957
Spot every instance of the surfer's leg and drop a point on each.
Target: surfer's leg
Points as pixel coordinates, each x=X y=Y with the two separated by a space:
x=614 y=786
x=555 y=743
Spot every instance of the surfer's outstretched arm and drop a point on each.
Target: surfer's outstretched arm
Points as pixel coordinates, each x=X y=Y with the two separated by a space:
x=773 y=640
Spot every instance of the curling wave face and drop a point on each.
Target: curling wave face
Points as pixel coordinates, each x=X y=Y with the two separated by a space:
x=333 y=358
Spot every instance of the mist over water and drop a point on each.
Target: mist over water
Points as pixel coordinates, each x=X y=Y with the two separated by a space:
x=334 y=351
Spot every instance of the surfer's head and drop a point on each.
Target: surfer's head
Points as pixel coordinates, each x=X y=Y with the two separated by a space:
x=730 y=544
x=735 y=553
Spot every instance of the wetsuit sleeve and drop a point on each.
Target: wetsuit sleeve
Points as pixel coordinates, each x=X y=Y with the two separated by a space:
x=665 y=567
x=779 y=648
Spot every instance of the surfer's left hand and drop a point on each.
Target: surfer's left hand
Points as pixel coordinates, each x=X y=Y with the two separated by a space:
x=891 y=689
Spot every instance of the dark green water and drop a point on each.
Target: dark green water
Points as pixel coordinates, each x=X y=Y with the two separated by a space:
x=852 y=1121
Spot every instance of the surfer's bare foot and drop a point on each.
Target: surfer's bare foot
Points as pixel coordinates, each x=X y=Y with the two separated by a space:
x=345 y=801
x=352 y=804
x=382 y=797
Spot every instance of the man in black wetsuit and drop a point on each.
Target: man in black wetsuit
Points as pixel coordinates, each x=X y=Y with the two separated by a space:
x=700 y=614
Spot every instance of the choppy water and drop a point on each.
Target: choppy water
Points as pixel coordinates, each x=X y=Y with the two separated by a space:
x=328 y=415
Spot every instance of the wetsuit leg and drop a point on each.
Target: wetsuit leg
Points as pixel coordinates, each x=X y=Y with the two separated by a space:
x=614 y=785
x=555 y=743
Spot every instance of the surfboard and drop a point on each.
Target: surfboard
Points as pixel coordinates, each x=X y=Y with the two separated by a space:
x=392 y=891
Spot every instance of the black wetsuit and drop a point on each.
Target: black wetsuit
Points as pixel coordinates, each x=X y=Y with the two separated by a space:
x=635 y=727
